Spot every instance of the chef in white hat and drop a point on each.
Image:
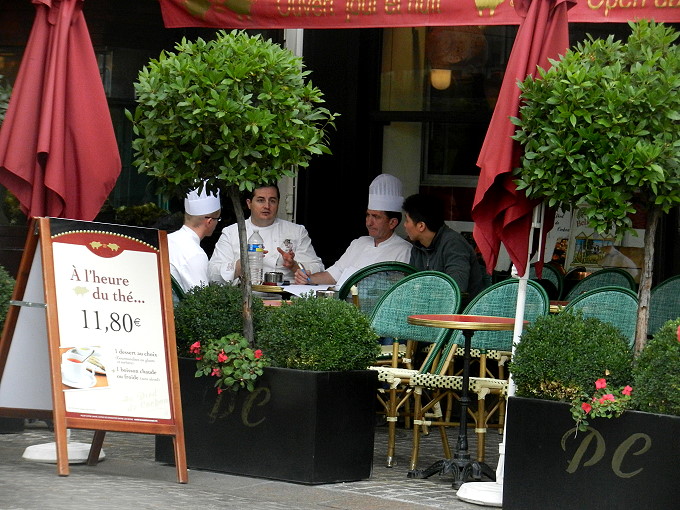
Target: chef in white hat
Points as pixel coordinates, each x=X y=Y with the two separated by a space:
x=382 y=244
x=188 y=261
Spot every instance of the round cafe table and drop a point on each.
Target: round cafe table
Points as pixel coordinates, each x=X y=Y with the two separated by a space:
x=462 y=467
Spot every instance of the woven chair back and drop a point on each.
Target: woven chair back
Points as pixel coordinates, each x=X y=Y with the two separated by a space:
x=552 y=275
x=500 y=300
x=602 y=278
x=664 y=304
x=425 y=292
x=616 y=305
x=373 y=281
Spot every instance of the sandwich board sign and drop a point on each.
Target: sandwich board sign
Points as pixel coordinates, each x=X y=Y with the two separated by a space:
x=89 y=338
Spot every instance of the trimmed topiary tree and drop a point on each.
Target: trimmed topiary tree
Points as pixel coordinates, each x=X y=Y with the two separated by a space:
x=560 y=356
x=318 y=334
x=233 y=113
x=656 y=379
x=600 y=131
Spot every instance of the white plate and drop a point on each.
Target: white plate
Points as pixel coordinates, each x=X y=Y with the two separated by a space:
x=85 y=382
x=86 y=352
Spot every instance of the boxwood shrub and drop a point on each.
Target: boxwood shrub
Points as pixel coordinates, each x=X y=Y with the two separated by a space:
x=210 y=312
x=559 y=356
x=318 y=334
x=656 y=373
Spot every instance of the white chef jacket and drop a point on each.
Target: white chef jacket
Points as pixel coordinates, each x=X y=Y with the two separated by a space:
x=227 y=250
x=188 y=261
x=362 y=252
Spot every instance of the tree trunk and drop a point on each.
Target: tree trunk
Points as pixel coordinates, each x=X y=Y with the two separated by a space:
x=644 y=290
x=248 y=333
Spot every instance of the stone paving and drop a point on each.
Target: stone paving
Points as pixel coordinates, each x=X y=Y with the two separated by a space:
x=130 y=478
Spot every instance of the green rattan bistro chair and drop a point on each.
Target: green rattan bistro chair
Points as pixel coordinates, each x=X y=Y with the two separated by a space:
x=495 y=347
x=602 y=278
x=664 y=304
x=425 y=292
x=616 y=305
x=372 y=282
x=551 y=274
x=177 y=291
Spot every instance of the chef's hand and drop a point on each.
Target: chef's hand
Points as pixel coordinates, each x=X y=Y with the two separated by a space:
x=288 y=259
x=302 y=278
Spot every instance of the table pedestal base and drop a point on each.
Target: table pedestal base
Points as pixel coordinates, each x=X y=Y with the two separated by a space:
x=464 y=470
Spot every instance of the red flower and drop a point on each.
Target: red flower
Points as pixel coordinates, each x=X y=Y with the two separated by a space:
x=586 y=407
x=216 y=372
x=601 y=384
x=627 y=390
x=678 y=333
x=258 y=353
x=219 y=390
x=606 y=397
x=221 y=357
x=195 y=348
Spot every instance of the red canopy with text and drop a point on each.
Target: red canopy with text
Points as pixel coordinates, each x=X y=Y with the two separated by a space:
x=392 y=13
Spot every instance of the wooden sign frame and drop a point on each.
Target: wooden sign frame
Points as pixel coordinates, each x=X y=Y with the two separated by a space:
x=87 y=289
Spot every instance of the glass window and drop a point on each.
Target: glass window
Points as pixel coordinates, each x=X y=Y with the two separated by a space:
x=446 y=79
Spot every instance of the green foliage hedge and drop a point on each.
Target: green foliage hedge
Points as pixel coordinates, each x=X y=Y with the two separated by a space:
x=211 y=312
x=6 y=289
x=656 y=374
x=600 y=128
x=318 y=334
x=561 y=355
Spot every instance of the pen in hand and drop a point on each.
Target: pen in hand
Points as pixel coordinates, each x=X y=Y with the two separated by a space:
x=302 y=268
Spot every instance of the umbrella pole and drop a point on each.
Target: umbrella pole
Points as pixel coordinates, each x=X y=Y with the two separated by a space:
x=491 y=493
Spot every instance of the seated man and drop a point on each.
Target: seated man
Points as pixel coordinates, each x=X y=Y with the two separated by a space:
x=188 y=261
x=225 y=263
x=436 y=247
x=380 y=245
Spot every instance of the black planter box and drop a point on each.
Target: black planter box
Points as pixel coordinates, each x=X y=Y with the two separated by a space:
x=622 y=463
x=297 y=426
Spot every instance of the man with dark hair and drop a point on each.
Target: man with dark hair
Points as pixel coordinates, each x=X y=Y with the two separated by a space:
x=380 y=245
x=284 y=241
x=439 y=248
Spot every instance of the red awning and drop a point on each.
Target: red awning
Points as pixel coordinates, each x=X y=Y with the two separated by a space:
x=391 y=13
x=58 y=151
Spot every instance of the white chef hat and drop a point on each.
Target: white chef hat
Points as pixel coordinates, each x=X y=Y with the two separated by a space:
x=201 y=203
x=384 y=194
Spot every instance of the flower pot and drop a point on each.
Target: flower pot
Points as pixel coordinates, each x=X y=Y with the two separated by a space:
x=297 y=426
x=625 y=462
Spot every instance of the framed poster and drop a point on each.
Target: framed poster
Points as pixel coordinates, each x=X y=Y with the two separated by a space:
x=101 y=295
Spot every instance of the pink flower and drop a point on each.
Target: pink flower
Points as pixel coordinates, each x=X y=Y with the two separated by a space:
x=216 y=372
x=195 y=348
x=606 y=397
x=586 y=407
x=627 y=390
x=219 y=390
x=199 y=358
x=258 y=353
x=221 y=357
x=601 y=384
x=678 y=333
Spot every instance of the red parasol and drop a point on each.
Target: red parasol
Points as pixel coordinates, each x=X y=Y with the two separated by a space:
x=500 y=212
x=58 y=151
